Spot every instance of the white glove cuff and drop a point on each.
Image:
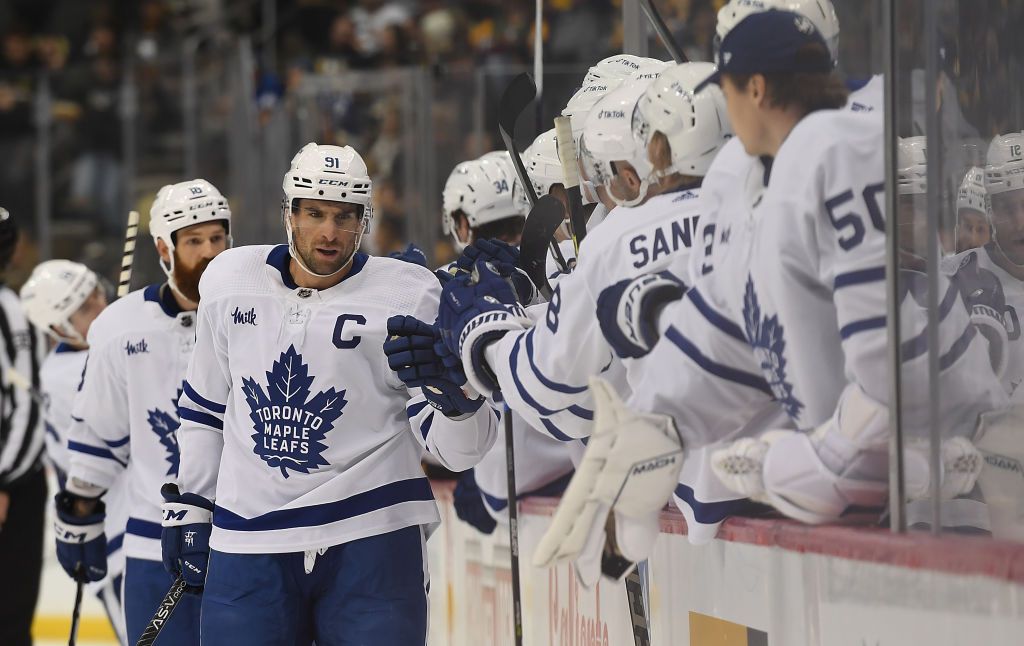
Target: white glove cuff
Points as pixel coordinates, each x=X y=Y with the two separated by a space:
x=68 y=533
x=177 y=513
x=481 y=331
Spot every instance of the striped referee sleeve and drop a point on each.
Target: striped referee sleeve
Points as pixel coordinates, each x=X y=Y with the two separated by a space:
x=21 y=428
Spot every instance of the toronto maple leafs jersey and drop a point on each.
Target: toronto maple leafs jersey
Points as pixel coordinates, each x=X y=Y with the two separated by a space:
x=543 y=372
x=292 y=421
x=126 y=410
x=59 y=379
x=805 y=273
x=979 y=271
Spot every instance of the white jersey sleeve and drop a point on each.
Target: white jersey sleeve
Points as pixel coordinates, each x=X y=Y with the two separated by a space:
x=59 y=378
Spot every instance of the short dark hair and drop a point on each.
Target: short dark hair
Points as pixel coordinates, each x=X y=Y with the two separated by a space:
x=503 y=229
x=808 y=91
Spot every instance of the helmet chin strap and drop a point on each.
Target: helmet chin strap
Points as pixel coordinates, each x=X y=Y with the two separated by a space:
x=294 y=253
x=641 y=194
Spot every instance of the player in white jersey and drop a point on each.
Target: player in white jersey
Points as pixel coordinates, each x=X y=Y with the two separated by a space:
x=992 y=276
x=139 y=349
x=799 y=273
x=63 y=298
x=973 y=228
x=305 y=509
x=477 y=193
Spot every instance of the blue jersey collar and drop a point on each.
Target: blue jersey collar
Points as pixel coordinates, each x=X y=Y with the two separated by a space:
x=279 y=258
x=164 y=298
x=65 y=347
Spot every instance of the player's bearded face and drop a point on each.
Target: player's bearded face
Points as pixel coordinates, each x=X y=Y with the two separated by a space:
x=194 y=248
x=325 y=234
x=1008 y=222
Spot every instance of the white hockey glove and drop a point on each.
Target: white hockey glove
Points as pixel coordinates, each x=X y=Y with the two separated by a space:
x=630 y=469
x=839 y=468
x=628 y=311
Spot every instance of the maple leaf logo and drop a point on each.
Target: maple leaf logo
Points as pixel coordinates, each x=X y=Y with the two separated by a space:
x=165 y=424
x=765 y=336
x=290 y=426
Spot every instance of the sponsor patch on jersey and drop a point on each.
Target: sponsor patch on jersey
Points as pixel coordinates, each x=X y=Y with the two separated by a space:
x=164 y=425
x=765 y=335
x=290 y=422
x=247 y=317
x=139 y=347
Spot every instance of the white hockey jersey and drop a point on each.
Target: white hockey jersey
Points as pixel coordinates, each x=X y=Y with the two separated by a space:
x=59 y=379
x=292 y=421
x=983 y=261
x=544 y=372
x=139 y=348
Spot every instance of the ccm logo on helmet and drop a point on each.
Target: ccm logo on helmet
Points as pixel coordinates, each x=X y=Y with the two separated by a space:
x=332 y=182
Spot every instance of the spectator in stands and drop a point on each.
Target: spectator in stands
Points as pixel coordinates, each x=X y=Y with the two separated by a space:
x=17 y=84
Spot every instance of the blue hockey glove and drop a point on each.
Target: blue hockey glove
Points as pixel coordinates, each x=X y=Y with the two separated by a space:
x=983 y=294
x=412 y=351
x=499 y=253
x=185 y=537
x=475 y=310
x=469 y=504
x=81 y=543
x=411 y=254
x=628 y=311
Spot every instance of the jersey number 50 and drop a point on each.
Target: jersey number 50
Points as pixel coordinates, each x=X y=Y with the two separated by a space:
x=850 y=225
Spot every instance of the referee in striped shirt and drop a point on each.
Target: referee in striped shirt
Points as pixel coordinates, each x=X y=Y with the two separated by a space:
x=23 y=495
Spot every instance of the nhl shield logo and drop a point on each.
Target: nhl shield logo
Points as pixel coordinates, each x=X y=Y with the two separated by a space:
x=765 y=335
x=291 y=424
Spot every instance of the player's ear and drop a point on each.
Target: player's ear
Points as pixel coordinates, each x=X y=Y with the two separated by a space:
x=161 y=248
x=757 y=88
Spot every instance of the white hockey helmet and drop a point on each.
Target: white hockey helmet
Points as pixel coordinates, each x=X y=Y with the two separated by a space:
x=608 y=137
x=332 y=173
x=1005 y=170
x=912 y=166
x=650 y=70
x=482 y=190
x=182 y=205
x=619 y=67
x=696 y=125
x=583 y=100
x=972 y=193
x=820 y=12
x=55 y=291
x=542 y=163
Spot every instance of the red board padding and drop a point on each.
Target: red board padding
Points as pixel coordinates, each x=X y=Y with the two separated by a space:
x=961 y=555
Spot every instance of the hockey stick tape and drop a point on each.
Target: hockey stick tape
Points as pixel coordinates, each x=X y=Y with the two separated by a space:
x=566 y=151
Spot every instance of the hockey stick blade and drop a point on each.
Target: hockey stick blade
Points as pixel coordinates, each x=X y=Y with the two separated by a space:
x=538 y=232
x=163 y=613
x=663 y=33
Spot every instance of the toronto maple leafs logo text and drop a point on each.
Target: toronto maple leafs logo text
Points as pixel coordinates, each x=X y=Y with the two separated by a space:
x=291 y=425
x=765 y=335
x=165 y=424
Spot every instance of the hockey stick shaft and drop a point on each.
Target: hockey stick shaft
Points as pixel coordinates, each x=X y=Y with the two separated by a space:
x=21 y=381
x=76 y=614
x=637 y=608
x=163 y=613
x=566 y=147
x=513 y=527
x=131 y=232
x=663 y=33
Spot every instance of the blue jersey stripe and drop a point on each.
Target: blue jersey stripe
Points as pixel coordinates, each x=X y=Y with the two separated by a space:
x=50 y=430
x=114 y=543
x=212 y=406
x=414 y=410
x=425 y=425
x=548 y=383
x=554 y=488
x=719 y=370
x=579 y=411
x=93 y=450
x=555 y=431
x=200 y=417
x=393 y=493
x=709 y=513
x=958 y=348
x=116 y=443
x=862 y=325
x=144 y=528
x=915 y=347
x=715 y=318
x=858 y=277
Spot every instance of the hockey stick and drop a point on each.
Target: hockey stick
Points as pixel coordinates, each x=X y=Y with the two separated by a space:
x=637 y=608
x=76 y=613
x=544 y=219
x=19 y=380
x=163 y=613
x=130 y=233
x=514 y=100
x=513 y=527
x=566 y=147
x=663 y=33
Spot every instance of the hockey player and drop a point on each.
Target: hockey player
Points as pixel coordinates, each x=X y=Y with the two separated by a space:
x=22 y=478
x=799 y=267
x=63 y=298
x=543 y=370
x=303 y=508
x=139 y=348
x=973 y=229
x=476 y=192
x=991 y=276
